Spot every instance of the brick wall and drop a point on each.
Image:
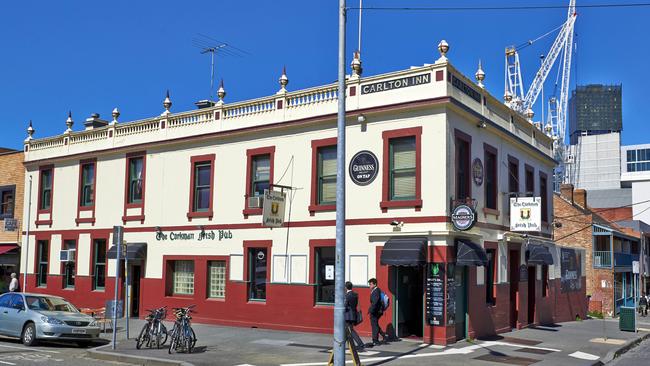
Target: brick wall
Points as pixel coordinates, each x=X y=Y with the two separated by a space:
x=12 y=172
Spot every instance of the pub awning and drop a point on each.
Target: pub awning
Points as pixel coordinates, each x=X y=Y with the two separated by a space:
x=537 y=254
x=134 y=252
x=4 y=248
x=470 y=254
x=404 y=252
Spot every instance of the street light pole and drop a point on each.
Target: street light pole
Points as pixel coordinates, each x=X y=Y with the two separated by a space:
x=339 y=280
x=26 y=242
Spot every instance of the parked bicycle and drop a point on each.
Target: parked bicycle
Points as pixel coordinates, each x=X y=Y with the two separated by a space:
x=154 y=332
x=183 y=337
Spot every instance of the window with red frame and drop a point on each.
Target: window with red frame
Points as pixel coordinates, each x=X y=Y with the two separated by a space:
x=543 y=193
x=45 y=192
x=513 y=176
x=69 y=268
x=462 y=168
x=135 y=180
x=490 y=277
x=99 y=264
x=202 y=186
x=87 y=189
x=260 y=174
x=326 y=175
x=530 y=180
x=43 y=255
x=403 y=165
x=491 y=181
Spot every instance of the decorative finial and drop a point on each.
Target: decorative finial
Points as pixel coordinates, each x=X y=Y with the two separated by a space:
x=443 y=48
x=116 y=115
x=167 y=103
x=480 y=75
x=356 y=64
x=549 y=129
x=221 y=93
x=507 y=97
x=529 y=114
x=284 y=80
x=69 y=122
x=30 y=131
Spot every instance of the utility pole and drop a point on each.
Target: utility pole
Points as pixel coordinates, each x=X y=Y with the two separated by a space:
x=339 y=280
x=26 y=242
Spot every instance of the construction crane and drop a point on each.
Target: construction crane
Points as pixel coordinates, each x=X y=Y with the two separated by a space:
x=522 y=101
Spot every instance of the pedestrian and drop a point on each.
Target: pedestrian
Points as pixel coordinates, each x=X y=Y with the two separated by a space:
x=13 y=285
x=352 y=315
x=375 y=311
x=643 y=305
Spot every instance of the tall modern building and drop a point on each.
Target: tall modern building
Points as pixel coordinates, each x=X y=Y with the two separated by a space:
x=595 y=109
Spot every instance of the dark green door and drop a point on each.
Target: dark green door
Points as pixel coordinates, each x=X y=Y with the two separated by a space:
x=460 y=279
x=409 y=301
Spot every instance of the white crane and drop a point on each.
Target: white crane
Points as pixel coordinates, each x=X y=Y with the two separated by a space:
x=519 y=100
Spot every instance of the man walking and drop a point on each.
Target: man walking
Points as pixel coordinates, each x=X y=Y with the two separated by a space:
x=643 y=305
x=375 y=311
x=13 y=285
x=351 y=314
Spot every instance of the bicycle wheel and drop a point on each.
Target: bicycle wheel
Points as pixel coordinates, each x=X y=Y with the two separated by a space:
x=193 y=339
x=173 y=340
x=144 y=334
x=162 y=334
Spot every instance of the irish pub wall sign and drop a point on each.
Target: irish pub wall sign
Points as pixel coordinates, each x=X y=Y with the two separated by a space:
x=211 y=235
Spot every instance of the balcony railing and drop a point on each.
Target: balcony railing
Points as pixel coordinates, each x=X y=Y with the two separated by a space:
x=602 y=259
x=622 y=259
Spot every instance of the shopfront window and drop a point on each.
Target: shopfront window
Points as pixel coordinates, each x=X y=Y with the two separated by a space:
x=69 y=267
x=183 y=278
x=324 y=274
x=257 y=262
x=99 y=264
x=43 y=257
x=217 y=279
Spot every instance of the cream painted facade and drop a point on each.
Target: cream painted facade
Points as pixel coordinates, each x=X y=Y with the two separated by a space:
x=289 y=122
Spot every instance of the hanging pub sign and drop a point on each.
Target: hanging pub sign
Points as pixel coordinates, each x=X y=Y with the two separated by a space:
x=477 y=171
x=273 y=208
x=363 y=168
x=526 y=214
x=463 y=217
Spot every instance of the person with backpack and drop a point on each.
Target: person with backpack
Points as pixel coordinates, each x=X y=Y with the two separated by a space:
x=378 y=304
x=352 y=316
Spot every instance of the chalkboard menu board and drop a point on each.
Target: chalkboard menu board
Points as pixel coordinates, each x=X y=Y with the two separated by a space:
x=451 y=294
x=435 y=293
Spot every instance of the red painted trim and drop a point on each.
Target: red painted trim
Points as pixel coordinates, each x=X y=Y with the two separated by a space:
x=267 y=244
x=440 y=75
x=313 y=244
x=43 y=222
x=250 y=154
x=353 y=91
x=331 y=117
x=79 y=219
x=127 y=205
x=416 y=203
x=462 y=136
x=193 y=161
x=314 y=205
x=489 y=149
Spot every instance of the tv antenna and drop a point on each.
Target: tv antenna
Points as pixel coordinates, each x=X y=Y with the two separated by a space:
x=212 y=46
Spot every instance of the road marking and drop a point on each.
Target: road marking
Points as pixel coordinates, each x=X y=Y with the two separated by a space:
x=30 y=349
x=7 y=363
x=584 y=356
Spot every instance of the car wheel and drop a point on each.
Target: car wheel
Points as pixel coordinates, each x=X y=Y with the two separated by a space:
x=29 y=335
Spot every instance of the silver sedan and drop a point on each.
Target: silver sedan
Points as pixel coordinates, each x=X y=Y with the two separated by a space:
x=34 y=317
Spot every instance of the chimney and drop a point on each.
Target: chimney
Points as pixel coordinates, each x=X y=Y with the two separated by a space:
x=580 y=197
x=93 y=122
x=566 y=192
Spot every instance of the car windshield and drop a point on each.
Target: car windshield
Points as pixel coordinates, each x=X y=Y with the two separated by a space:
x=49 y=304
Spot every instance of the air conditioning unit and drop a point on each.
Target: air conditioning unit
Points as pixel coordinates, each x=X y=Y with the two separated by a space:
x=67 y=255
x=255 y=202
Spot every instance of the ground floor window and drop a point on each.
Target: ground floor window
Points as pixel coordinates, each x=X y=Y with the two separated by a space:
x=183 y=278
x=69 y=268
x=257 y=262
x=324 y=274
x=217 y=279
x=99 y=264
x=43 y=257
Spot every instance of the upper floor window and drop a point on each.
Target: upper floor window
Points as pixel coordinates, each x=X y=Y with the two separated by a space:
x=87 y=189
x=530 y=180
x=45 y=192
x=543 y=193
x=202 y=186
x=491 y=177
x=463 y=173
x=7 y=201
x=327 y=175
x=513 y=175
x=260 y=174
x=135 y=180
x=402 y=168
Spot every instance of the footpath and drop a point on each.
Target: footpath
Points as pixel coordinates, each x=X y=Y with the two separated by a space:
x=571 y=343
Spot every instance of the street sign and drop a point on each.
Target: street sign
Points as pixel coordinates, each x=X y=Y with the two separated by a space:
x=273 y=209
x=635 y=267
x=11 y=224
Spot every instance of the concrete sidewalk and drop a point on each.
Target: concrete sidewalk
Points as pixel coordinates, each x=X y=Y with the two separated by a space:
x=572 y=343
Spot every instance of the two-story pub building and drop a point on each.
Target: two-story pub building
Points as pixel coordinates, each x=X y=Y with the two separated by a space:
x=185 y=186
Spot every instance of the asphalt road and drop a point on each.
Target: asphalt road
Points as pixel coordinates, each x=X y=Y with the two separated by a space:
x=637 y=356
x=12 y=352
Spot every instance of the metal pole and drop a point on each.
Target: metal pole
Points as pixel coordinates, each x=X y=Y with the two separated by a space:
x=117 y=231
x=127 y=305
x=339 y=281
x=26 y=242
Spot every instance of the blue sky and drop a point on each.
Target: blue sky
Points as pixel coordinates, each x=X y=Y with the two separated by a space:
x=93 y=56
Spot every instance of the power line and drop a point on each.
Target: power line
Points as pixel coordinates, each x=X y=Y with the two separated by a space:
x=590 y=225
x=492 y=8
x=604 y=209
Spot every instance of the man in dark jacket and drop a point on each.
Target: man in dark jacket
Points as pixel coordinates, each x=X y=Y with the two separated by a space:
x=375 y=311
x=351 y=316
